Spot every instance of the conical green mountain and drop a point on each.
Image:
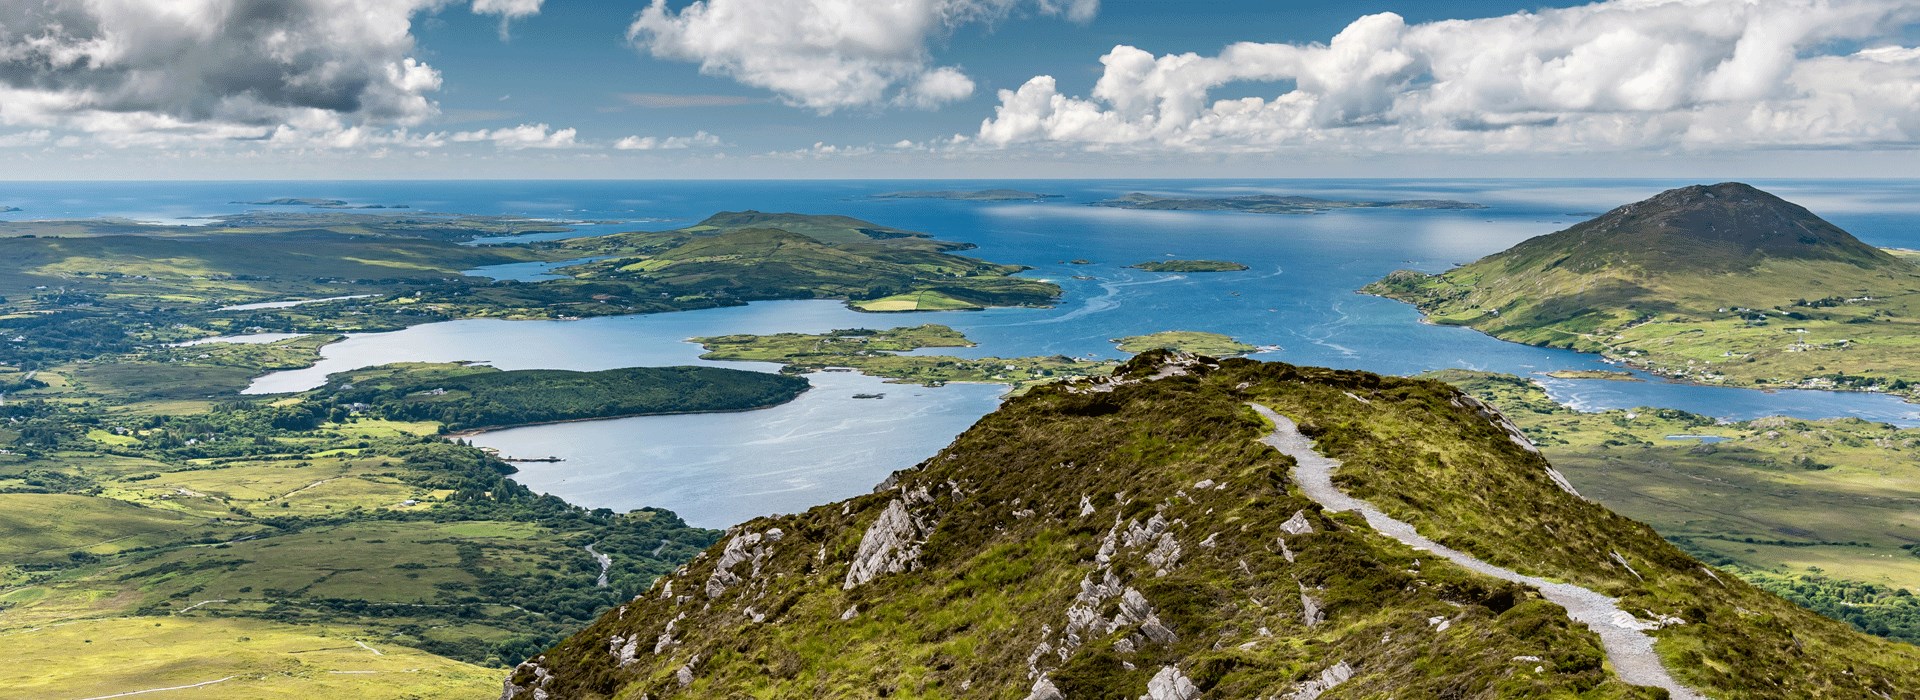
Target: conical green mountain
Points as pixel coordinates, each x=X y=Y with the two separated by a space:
x=1173 y=533
x=1729 y=227
x=1722 y=283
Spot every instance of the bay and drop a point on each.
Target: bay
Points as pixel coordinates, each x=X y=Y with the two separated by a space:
x=1298 y=295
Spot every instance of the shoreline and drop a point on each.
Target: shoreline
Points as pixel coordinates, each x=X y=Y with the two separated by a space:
x=471 y=432
x=1628 y=362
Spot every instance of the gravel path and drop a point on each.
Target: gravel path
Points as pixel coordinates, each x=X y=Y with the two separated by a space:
x=1622 y=635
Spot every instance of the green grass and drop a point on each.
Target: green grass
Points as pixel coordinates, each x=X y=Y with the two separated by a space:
x=37 y=528
x=915 y=301
x=1778 y=497
x=263 y=660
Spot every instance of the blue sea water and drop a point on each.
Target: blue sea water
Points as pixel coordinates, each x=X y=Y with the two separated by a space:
x=1298 y=296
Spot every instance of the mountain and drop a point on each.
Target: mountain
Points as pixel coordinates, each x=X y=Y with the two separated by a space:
x=1722 y=283
x=1189 y=528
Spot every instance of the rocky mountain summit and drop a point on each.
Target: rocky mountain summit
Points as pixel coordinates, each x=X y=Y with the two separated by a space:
x=1178 y=531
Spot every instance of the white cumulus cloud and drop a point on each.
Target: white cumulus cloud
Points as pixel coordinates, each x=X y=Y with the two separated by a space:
x=1609 y=75
x=520 y=137
x=830 y=54
x=700 y=139
x=151 y=71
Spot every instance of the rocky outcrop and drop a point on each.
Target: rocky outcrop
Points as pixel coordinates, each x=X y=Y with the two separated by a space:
x=1332 y=676
x=741 y=549
x=1171 y=684
x=891 y=545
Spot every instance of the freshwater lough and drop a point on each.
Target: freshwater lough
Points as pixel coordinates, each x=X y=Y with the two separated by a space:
x=720 y=469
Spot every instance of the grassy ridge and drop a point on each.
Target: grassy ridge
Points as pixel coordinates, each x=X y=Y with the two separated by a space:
x=1818 y=511
x=1020 y=526
x=241 y=659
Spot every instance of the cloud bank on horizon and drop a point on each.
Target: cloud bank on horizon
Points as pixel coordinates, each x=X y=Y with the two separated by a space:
x=1624 y=74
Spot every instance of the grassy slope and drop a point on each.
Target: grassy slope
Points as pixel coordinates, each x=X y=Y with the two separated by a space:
x=1009 y=543
x=158 y=504
x=260 y=660
x=1778 y=498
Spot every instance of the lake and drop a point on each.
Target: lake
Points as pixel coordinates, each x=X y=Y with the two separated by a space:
x=1298 y=295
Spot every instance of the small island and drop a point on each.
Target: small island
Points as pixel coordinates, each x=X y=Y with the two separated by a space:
x=1605 y=374
x=465 y=398
x=1189 y=266
x=877 y=353
x=4 y=210
x=1196 y=342
x=1272 y=204
x=319 y=203
x=994 y=195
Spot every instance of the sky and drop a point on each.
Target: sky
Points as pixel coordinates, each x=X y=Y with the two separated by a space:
x=443 y=89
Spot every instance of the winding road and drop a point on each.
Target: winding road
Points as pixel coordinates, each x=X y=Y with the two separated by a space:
x=606 y=566
x=1622 y=635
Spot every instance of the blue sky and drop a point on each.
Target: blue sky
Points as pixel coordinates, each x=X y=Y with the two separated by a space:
x=572 y=64
x=958 y=88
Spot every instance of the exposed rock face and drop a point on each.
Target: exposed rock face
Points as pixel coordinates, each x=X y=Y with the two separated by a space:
x=1170 y=684
x=1297 y=525
x=1514 y=434
x=1333 y=676
x=891 y=545
x=1043 y=689
x=1498 y=419
x=740 y=549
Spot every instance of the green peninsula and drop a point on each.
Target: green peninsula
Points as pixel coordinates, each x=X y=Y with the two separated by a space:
x=1721 y=284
